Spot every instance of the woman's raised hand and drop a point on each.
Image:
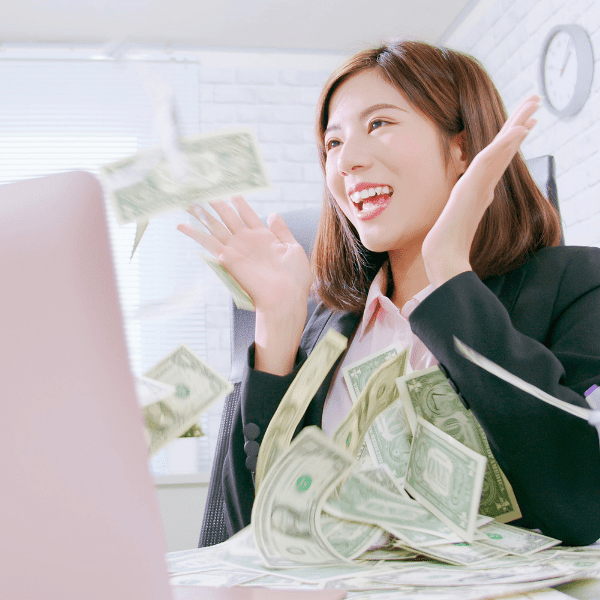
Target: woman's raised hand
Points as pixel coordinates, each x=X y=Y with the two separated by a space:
x=267 y=262
x=447 y=246
x=270 y=265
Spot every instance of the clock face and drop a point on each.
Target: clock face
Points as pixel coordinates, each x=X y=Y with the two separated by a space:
x=566 y=69
x=560 y=70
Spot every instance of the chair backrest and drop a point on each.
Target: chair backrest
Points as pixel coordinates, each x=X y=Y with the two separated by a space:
x=303 y=224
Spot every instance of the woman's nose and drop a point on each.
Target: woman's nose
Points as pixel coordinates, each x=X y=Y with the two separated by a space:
x=353 y=156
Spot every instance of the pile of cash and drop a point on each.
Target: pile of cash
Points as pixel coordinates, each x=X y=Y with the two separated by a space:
x=392 y=573
x=393 y=502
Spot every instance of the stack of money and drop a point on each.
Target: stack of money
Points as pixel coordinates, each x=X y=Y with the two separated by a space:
x=394 y=574
x=408 y=524
x=316 y=503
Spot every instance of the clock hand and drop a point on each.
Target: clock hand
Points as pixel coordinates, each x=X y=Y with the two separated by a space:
x=567 y=55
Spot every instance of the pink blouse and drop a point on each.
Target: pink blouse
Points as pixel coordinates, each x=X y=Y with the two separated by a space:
x=382 y=325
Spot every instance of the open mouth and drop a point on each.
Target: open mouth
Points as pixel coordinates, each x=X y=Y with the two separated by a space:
x=370 y=201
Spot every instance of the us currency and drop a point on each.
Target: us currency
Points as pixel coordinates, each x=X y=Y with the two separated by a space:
x=428 y=394
x=379 y=393
x=139 y=232
x=240 y=297
x=294 y=403
x=217 y=165
x=389 y=437
x=287 y=508
x=197 y=387
x=515 y=540
x=150 y=390
x=363 y=501
x=445 y=477
x=587 y=414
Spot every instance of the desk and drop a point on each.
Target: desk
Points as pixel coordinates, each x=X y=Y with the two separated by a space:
x=236 y=564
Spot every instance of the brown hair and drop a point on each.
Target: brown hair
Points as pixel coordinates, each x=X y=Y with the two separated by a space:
x=454 y=91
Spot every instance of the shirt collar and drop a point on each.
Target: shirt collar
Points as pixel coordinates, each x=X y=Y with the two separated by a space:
x=378 y=305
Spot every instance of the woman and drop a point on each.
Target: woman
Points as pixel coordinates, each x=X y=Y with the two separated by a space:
x=431 y=228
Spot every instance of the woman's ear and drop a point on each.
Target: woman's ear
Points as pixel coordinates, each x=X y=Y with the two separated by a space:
x=458 y=152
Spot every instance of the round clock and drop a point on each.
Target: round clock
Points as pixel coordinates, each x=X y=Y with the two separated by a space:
x=566 y=69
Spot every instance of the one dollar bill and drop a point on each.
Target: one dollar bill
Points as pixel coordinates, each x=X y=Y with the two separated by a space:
x=197 y=387
x=240 y=298
x=217 y=165
x=445 y=477
x=428 y=394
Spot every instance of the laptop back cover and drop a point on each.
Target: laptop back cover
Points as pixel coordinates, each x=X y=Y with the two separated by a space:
x=78 y=511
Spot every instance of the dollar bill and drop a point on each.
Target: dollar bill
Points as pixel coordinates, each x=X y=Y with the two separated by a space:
x=428 y=394
x=151 y=390
x=241 y=299
x=294 y=403
x=591 y=415
x=515 y=540
x=287 y=508
x=197 y=387
x=379 y=393
x=445 y=477
x=217 y=165
x=362 y=500
x=358 y=373
x=139 y=232
x=389 y=437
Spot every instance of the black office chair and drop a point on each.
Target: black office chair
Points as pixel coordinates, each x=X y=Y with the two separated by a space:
x=303 y=224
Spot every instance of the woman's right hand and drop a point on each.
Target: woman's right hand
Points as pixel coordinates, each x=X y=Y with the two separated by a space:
x=270 y=265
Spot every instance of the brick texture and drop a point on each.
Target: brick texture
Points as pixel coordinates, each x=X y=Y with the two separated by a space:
x=508 y=40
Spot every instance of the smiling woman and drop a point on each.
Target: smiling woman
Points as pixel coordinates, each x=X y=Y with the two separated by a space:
x=431 y=228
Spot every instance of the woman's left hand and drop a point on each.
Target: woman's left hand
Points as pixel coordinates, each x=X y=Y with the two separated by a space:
x=447 y=247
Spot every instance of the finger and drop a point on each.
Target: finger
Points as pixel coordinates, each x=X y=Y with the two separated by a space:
x=247 y=214
x=278 y=227
x=228 y=215
x=212 y=244
x=523 y=112
x=214 y=226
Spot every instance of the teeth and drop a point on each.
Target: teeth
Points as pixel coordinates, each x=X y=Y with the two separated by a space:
x=357 y=197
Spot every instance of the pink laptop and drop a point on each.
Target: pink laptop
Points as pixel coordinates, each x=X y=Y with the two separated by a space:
x=79 y=518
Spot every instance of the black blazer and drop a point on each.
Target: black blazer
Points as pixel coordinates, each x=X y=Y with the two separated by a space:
x=540 y=322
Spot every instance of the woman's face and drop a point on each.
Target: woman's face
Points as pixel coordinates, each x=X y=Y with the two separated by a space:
x=385 y=166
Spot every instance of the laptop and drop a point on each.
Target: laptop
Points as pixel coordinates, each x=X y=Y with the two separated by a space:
x=79 y=516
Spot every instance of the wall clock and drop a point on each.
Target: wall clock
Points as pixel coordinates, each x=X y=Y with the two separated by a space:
x=566 y=69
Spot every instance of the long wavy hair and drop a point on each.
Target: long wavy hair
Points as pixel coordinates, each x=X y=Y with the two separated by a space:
x=454 y=91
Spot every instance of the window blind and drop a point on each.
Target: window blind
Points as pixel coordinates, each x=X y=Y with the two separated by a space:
x=60 y=115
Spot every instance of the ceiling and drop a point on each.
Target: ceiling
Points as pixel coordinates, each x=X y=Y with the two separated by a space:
x=336 y=26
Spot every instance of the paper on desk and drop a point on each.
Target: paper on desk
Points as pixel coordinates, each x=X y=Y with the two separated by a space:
x=190 y=592
x=591 y=416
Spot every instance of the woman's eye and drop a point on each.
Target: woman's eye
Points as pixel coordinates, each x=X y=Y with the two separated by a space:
x=377 y=124
x=331 y=144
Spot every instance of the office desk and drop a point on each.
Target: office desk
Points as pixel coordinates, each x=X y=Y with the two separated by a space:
x=237 y=565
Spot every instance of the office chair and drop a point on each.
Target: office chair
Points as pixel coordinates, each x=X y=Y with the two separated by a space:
x=303 y=224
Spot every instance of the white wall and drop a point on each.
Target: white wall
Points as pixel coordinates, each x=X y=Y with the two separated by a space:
x=507 y=37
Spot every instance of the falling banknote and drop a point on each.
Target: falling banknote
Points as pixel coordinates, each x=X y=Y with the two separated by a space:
x=214 y=166
x=197 y=387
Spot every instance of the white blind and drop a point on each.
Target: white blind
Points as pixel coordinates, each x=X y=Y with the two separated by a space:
x=63 y=115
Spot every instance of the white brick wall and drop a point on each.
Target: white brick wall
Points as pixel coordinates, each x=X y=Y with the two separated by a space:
x=507 y=38
x=275 y=95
